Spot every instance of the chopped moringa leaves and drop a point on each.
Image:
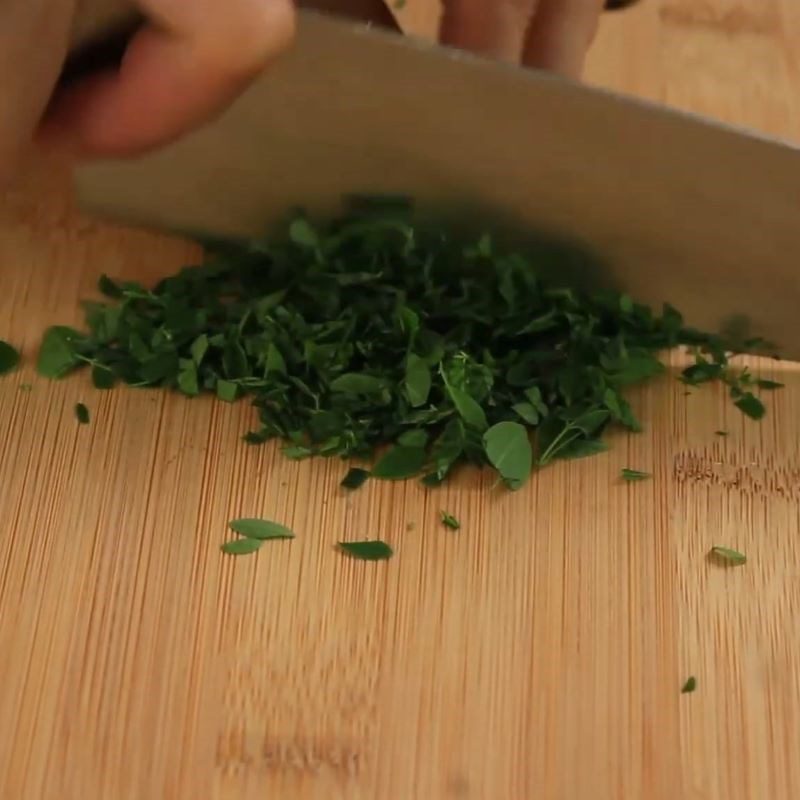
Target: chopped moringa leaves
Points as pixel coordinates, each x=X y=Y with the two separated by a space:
x=367 y=551
x=731 y=557
x=260 y=529
x=241 y=547
x=633 y=475
x=82 y=413
x=449 y=521
x=374 y=331
x=690 y=685
x=355 y=478
x=9 y=358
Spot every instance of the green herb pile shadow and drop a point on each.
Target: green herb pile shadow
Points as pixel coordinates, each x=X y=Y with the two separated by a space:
x=376 y=332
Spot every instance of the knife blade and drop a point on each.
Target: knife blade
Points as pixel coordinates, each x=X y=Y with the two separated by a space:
x=670 y=207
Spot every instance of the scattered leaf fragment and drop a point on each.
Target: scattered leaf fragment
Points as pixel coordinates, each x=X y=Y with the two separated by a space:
x=82 y=413
x=634 y=475
x=750 y=405
x=241 y=547
x=721 y=433
x=690 y=685
x=9 y=358
x=355 y=478
x=260 y=529
x=375 y=550
x=449 y=521
x=768 y=385
x=731 y=557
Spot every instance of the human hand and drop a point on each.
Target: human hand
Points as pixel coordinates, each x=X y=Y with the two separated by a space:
x=33 y=43
x=196 y=55
x=549 y=34
x=188 y=62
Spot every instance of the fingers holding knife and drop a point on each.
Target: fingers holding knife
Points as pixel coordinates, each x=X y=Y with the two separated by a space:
x=179 y=71
x=193 y=57
x=550 y=34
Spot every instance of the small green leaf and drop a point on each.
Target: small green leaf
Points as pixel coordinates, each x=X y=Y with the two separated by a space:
x=582 y=448
x=417 y=381
x=414 y=438
x=508 y=449
x=590 y=422
x=731 y=557
x=234 y=361
x=109 y=287
x=399 y=463
x=357 y=383
x=367 y=551
x=241 y=547
x=275 y=362
x=633 y=475
x=762 y=383
x=260 y=529
x=102 y=377
x=355 y=478
x=467 y=407
x=297 y=452
x=187 y=379
x=58 y=353
x=302 y=232
x=449 y=521
x=527 y=412
x=721 y=433
x=199 y=349
x=690 y=685
x=9 y=358
x=227 y=391
x=750 y=405
x=702 y=372
x=82 y=413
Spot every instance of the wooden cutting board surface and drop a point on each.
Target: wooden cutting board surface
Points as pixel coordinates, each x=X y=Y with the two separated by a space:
x=537 y=653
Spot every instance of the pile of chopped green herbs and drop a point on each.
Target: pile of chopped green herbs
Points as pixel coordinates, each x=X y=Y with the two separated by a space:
x=374 y=331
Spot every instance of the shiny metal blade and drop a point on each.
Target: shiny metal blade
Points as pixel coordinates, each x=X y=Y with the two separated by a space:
x=676 y=208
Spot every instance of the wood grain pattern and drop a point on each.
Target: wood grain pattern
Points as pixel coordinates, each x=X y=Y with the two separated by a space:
x=537 y=653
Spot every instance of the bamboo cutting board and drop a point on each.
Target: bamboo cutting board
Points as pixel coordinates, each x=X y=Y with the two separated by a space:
x=536 y=654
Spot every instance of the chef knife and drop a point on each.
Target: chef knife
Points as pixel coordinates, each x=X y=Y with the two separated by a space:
x=672 y=207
